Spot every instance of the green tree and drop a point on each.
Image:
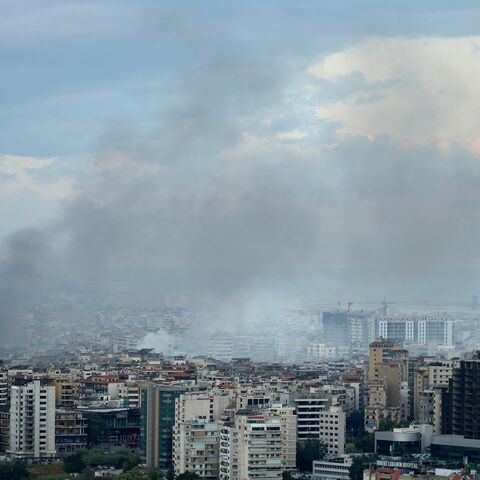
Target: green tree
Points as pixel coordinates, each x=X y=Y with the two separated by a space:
x=156 y=475
x=123 y=458
x=356 y=469
x=189 y=476
x=350 y=447
x=132 y=474
x=389 y=425
x=355 y=425
x=308 y=451
x=13 y=470
x=74 y=462
x=359 y=464
x=287 y=475
x=96 y=426
x=94 y=457
x=365 y=443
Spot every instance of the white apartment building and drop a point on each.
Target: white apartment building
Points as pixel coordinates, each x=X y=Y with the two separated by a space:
x=251 y=447
x=333 y=469
x=221 y=347
x=227 y=465
x=32 y=420
x=417 y=329
x=258 y=447
x=196 y=448
x=3 y=389
x=332 y=430
x=322 y=351
x=308 y=419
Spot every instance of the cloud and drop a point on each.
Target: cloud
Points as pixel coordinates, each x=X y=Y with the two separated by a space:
x=421 y=91
x=292 y=135
x=19 y=175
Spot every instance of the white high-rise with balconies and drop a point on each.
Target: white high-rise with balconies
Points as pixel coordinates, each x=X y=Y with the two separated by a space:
x=251 y=447
x=3 y=389
x=332 y=430
x=32 y=420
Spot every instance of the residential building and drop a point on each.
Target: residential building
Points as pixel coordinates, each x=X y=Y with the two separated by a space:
x=3 y=390
x=70 y=431
x=308 y=410
x=288 y=419
x=4 y=430
x=32 y=420
x=387 y=383
x=67 y=392
x=227 y=451
x=196 y=448
x=332 y=430
x=112 y=428
x=258 y=446
x=462 y=401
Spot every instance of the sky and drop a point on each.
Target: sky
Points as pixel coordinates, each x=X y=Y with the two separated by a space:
x=304 y=145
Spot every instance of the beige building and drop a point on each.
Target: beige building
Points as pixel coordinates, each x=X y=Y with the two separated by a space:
x=289 y=435
x=387 y=385
x=67 y=391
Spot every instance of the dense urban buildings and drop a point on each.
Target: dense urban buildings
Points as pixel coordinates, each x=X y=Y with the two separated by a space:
x=236 y=418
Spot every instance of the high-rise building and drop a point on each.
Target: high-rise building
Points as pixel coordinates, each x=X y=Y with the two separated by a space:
x=387 y=386
x=258 y=446
x=308 y=410
x=196 y=432
x=3 y=390
x=345 y=328
x=462 y=401
x=332 y=430
x=32 y=420
x=4 y=430
x=417 y=329
x=196 y=448
x=201 y=405
x=227 y=450
x=157 y=422
x=289 y=435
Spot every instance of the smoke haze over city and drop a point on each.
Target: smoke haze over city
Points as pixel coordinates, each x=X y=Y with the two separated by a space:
x=239 y=240
x=254 y=155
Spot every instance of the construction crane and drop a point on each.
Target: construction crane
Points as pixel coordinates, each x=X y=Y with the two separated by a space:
x=385 y=305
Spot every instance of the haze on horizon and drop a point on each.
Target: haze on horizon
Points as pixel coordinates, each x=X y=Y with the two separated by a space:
x=239 y=151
